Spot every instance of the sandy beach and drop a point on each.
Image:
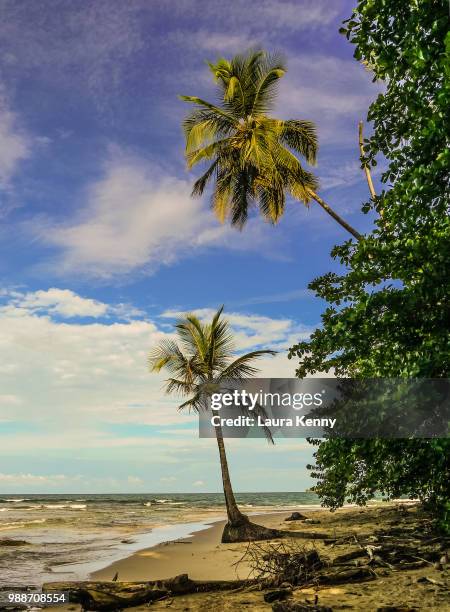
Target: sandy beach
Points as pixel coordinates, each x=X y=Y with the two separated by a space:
x=203 y=557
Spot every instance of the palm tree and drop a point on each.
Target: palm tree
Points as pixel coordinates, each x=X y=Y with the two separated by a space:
x=252 y=157
x=200 y=360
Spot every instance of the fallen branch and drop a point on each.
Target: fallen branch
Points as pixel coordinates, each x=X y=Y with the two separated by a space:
x=115 y=595
x=358 y=574
x=353 y=554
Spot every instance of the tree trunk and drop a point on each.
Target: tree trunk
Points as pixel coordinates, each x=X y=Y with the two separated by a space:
x=373 y=195
x=238 y=527
x=235 y=516
x=335 y=216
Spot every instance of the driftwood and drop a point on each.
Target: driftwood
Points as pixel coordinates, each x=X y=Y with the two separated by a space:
x=397 y=609
x=350 y=556
x=349 y=539
x=359 y=574
x=9 y=542
x=306 y=535
x=392 y=549
x=278 y=595
x=118 y=595
x=296 y=516
x=291 y=606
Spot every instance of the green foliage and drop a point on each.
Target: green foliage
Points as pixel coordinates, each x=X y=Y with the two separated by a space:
x=202 y=359
x=389 y=313
x=251 y=157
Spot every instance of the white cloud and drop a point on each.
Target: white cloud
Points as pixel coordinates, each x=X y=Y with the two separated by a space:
x=245 y=26
x=15 y=145
x=31 y=479
x=218 y=42
x=198 y=483
x=167 y=479
x=63 y=302
x=335 y=101
x=136 y=216
x=8 y=368
x=89 y=44
x=341 y=174
x=296 y=16
x=10 y=400
x=80 y=378
x=135 y=480
x=251 y=331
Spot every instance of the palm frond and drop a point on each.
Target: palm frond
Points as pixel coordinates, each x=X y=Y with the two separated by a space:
x=200 y=184
x=221 y=70
x=240 y=200
x=222 y=194
x=254 y=158
x=216 y=126
x=208 y=106
x=241 y=368
x=168 y=355
x=181 y=387
x=220 y=343
x=200 y=133
x=269 y=69
x=206 y=152
x=271 y=203
x=301 y=136
x=192 y=335
x=195 y=403
x=259 y=411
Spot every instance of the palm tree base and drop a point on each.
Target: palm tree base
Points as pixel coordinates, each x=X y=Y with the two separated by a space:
x=244 y=531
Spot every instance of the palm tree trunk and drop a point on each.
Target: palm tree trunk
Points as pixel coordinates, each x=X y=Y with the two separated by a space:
x=335 y=216
x=235 y=516
x=238 y=528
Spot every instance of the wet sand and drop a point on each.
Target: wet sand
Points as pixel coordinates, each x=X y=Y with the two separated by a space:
x=202 y=556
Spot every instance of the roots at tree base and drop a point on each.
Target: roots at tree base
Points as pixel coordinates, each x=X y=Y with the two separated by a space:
x=244 y=530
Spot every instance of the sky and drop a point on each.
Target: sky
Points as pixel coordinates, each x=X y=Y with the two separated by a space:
x=102 y=247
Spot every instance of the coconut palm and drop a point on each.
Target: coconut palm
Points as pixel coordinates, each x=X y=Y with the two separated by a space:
x=252 y=158
x=198 y=362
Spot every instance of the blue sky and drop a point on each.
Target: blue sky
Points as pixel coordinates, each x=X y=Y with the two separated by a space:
x=101 y=245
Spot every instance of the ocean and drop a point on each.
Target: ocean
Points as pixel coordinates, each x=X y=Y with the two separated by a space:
x=69 y=536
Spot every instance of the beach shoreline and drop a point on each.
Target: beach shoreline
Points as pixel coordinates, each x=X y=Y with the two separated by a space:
x=69 y=536
x=204 y=558
x=188 y=552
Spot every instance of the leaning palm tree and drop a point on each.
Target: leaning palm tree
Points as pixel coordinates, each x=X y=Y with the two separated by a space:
x=200 y=361
x=252 y=158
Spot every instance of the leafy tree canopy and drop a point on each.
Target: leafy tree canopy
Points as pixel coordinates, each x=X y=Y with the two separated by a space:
x=389 y=313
